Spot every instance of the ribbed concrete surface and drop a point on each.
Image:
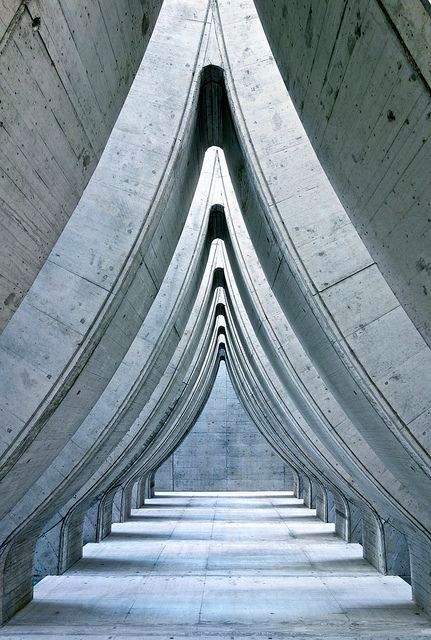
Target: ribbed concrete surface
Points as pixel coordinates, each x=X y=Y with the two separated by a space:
x=226 y=565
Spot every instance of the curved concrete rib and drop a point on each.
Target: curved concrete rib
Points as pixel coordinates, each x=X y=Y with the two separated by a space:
x=65 y=71
x=97 y=451
x=302 y=450
x=162 y=418
x=349 y=372
x=107 y=375
x=359 y=76
x=94 y=292
x=151 y=449
x=291 y=364
x=241 y=314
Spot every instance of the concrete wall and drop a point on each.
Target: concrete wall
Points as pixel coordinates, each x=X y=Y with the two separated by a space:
x=358 y=73
x=224 y=451
x=110 y=358
x=65 y=71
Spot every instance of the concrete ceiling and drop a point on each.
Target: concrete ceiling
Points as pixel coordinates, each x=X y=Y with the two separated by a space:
x=65 y=71
x=209 y=229
x=359 y=75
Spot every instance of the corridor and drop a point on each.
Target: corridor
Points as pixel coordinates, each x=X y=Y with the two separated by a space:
x=221 y=565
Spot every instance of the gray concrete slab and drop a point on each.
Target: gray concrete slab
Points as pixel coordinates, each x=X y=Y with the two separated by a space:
x=221 y=565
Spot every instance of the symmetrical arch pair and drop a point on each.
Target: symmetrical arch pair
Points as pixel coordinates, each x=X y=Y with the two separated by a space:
x=159 y=273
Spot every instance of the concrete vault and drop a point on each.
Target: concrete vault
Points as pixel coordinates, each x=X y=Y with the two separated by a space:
x=235 y=211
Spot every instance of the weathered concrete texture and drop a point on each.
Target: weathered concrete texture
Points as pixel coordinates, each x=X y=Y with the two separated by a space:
x=224 y=451
x=359 y=75
x=222 y=565
x=298 y=254
x=46 y=551
x=160 y=274
x=65 y=70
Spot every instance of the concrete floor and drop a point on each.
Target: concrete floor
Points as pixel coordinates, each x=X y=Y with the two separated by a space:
x=226 y=565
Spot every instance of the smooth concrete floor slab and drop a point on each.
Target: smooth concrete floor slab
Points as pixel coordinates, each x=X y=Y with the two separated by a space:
x=226 y=565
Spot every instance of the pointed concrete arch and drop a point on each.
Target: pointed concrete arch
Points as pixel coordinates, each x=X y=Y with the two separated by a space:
x=102 y=404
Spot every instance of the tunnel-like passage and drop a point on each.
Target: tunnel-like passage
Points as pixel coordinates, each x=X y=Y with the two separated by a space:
x=228 y=564
x=224 y=228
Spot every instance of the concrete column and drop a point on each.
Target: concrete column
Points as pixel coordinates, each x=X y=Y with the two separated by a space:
x=150 y=485
x=355 y=523
x=117 y=504
x=134 y=501
x=140 y=494
x=126 y=502
x=321 y=501
x=420 y=563
x=71 y=539
x=307 y=492
x=396 y=549
x=289 y=475
x=78 y=528
x=372 y=539
x=313 y=490
x=47 y=551
x=90 y=523
x=296 y=483
x=299 y=487
x=341 y=516
x=16 y=570
x=104 y=516
x=330 y=506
